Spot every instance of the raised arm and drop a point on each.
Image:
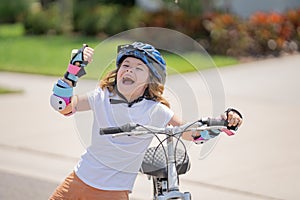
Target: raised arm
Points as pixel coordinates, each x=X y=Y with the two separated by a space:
x=62 y=99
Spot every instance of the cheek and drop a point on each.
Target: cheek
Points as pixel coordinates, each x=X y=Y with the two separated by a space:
x=119 y=74
x=143 y=78
x=145 y=75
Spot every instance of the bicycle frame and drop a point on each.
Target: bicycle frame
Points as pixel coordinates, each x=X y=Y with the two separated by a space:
x=172 y=184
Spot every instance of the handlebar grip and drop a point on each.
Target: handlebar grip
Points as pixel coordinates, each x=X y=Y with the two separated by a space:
x=220 y=122
x=113 y=130
x=216 y=122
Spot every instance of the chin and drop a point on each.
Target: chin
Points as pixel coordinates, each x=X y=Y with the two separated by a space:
x=130 y=92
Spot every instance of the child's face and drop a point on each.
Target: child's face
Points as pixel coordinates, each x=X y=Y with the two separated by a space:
x=132 y=78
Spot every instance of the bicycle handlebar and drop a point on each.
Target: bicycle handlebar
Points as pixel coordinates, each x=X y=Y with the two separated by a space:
x=214 y=121
x=203 y=124
x=119 y=129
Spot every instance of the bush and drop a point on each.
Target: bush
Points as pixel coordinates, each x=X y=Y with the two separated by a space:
x=261 y=35
x=41 y=21
x=227 y=35
x=107 y=19
x=270 y=32
x=293 y=16
x=12 y=11
x=177 y=20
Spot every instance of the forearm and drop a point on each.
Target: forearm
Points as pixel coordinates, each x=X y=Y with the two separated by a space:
x=62 y=99
x=176 y=121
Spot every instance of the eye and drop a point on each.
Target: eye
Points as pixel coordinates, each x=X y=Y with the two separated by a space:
x=125 y=65
x=139 y=69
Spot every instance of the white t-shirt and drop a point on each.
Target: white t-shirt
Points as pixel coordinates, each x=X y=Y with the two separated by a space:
x=113 y=163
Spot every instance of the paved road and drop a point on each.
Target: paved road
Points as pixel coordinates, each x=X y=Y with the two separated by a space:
x=38 y=147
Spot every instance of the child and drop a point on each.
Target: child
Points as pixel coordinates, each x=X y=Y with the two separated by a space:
x=130 y=93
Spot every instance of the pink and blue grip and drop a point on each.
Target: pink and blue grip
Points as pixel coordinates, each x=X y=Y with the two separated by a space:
x=62 y=92
x=61 y=96
x=74 y=71
x=209 y=134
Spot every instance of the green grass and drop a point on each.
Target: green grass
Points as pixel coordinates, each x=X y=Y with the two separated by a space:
x=49 y=55
x=8 y=91
x=36 y=54
x=11 y=30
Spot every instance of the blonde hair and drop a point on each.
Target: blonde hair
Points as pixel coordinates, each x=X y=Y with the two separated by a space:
x=154 y=90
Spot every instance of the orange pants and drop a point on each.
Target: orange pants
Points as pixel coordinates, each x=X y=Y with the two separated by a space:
x=75 y=189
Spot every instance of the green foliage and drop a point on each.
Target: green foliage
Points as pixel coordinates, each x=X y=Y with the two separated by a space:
x=106 y=19
x=41 y=21
x=92 y=3
x=49 y=55
x=219 y=33
x=190 y=7
x=12 y=11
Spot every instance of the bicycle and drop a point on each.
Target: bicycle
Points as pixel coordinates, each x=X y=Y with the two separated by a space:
x=164 y=164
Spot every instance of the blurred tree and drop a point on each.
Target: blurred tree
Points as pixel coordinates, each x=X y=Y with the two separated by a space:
x=12 y=11
x=46 y=3
x=119 y=2
x=190 y=7
x=66 y=14
x=207 y=5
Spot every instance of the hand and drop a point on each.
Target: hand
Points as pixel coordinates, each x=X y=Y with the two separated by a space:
x=78 y=62
x=234 y=118
x=88 y=53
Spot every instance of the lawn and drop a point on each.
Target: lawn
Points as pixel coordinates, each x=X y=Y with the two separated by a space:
x=49 y=55
x=8 y=91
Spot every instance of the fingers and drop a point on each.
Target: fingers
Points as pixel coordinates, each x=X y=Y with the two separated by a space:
x=195 y=134
x=88 y=53
x=234 y=119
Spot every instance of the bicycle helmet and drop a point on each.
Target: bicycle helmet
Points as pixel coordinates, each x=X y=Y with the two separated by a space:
x=148 y=54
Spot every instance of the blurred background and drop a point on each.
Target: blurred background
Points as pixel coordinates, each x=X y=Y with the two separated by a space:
x=225 y=27
x=231 y=31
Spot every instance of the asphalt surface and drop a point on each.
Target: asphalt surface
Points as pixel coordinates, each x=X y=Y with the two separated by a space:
x=38 y=147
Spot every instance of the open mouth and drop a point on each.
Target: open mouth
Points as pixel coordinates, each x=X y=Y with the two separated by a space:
x=127 y=81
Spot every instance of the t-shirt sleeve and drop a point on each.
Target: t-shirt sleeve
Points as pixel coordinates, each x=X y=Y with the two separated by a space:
x=94 y=96
x=161 y=115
